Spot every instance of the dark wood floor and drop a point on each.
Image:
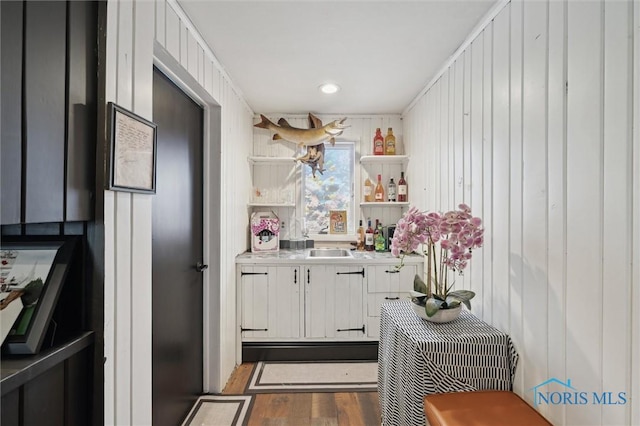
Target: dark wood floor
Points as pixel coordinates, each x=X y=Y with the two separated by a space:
x=301 y=409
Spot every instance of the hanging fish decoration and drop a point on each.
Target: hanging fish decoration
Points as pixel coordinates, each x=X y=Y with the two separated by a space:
x=315 y=135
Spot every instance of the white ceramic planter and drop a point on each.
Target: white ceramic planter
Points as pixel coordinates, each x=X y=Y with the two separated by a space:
x=443 y=315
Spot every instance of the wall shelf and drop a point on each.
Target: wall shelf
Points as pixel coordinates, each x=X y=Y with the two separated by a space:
x=384 y=204
x=384 y=159
x=271 y=204
x=271 y=160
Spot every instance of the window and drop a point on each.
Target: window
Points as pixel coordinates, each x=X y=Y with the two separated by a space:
x=332 y=190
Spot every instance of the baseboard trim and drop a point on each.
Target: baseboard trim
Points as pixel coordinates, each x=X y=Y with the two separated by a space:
x=309 y=351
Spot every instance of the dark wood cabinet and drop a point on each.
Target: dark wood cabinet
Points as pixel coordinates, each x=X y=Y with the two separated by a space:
x=52 y=388
x=49 y=84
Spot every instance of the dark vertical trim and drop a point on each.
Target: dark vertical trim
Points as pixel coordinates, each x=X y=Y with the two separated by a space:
x=95 y=229
x=67 y=52
x=23 y=120
x=21 y=406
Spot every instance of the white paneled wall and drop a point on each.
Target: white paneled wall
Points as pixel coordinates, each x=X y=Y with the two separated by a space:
x=534 y=124
x=132 y=28
x=361 y=131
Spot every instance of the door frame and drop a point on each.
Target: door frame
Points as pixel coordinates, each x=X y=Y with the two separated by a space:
x=212 y=315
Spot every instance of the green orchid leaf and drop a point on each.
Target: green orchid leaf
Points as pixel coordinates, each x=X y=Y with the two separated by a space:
x=463 y=296
x=453 y=302
x=433 y=306
x=419 y=285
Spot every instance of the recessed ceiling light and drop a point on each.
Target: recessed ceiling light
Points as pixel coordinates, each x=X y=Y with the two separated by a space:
x=329 y=88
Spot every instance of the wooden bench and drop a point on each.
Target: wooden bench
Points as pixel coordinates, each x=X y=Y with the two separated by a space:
x=491 y=408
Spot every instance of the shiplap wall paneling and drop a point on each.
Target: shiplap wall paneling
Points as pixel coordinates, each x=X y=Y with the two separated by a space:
x=466 y=130
x=457 y=123
x=556 y=202
x=141 y=213
x=443 y=163
x=436 y=151
x=617 y=169
x=534 y=194
x=171 y=31
x=584 y=203
x=499 y=228
x=635 y=226
x=487 y=178
x=475 y=150
x=515 y=259
x=559 y=178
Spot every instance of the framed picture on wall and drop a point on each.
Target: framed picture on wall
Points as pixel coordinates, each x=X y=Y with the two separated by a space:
x=32 y=273
x=132 y=153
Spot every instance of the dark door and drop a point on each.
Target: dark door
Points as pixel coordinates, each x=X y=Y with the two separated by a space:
x=177 y=247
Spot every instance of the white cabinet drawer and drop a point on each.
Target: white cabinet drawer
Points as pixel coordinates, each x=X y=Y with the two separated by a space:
x=387 y=279
x=374 y=300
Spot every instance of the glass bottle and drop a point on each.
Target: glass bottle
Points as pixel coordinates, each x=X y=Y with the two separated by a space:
x=390 y=143
x=368 y=237
x=379 y=239
x=379 y=192
x=368 y=190
x=403 y=189
x=360 y=237
x=378 y=143
x=391 y=191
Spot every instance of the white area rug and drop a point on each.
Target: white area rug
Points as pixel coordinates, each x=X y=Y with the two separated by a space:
x=219 y=410
x=271 y=377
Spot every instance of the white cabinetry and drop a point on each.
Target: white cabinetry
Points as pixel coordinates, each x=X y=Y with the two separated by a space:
x=317 y=302
x=270 y=302
x=385 y=283
x=334 y=302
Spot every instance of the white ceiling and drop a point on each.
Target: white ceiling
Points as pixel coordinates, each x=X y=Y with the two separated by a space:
x=381 y=53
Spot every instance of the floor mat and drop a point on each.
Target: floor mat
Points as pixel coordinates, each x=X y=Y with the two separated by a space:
x=220 y=410
x=273 y=376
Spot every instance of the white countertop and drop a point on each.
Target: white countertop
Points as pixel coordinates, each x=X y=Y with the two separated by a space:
x=300 y=257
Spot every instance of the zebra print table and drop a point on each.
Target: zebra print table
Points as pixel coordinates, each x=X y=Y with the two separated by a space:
x=416 y=358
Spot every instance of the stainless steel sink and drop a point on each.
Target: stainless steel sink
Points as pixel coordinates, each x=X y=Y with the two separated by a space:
x=329 y=253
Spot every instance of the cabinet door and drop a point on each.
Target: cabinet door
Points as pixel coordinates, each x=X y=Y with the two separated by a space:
x=270 y=302
x=334 y=302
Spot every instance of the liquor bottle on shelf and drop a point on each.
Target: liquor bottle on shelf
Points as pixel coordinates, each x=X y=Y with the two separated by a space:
x=378 y=143
x=403 y=189
x=360 y=237
x=379 y=239
x=391 y=191
x=368 y=190
x=368 y=237
x=379 y=192
x=375 y=232
x=390 y=143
